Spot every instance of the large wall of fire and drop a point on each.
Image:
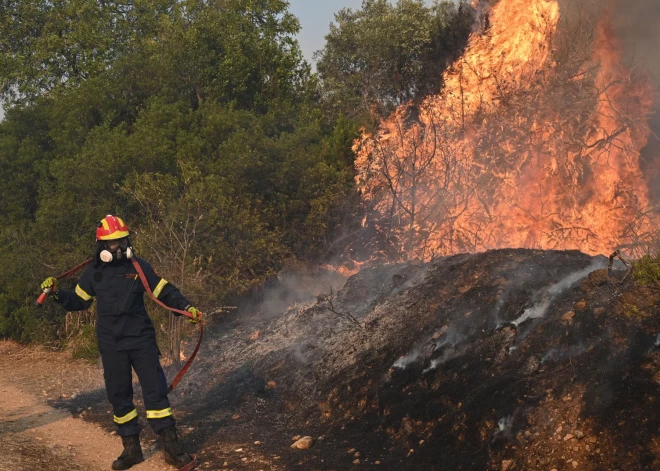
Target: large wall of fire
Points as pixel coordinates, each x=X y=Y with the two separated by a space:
x=541 y=138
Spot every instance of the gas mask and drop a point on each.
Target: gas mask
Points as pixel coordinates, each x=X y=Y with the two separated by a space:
x=118 y=249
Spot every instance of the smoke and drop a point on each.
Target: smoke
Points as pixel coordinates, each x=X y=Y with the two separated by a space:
x=446 y=343
x=539 y=309
x=451 y=337
x=559 y=353
x=451 y=342
x=504 y=430
x=535 y=312
x=635 y=25
x=299 y=353
x=291 y=286
x=482 y=8
x=447 y=355
x=406 y=360
x=504 y=424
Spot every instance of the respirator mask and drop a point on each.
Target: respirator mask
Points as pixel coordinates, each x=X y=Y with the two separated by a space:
x=118 y=249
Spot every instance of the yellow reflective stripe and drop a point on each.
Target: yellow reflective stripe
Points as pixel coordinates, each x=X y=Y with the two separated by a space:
x=128 y=417
x=159 y=287
x=81 y=293
x=115 y=235
x=105 y=224
x=159 y=414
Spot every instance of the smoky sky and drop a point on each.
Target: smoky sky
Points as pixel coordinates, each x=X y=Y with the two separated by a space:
x=637 y=25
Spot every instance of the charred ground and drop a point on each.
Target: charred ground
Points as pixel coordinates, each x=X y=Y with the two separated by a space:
x=509 y=359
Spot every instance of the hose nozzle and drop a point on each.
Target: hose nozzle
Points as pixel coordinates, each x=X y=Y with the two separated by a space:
x=42 y=297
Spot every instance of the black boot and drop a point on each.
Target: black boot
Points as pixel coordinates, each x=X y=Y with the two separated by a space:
x=174 y=454
x=131 y=455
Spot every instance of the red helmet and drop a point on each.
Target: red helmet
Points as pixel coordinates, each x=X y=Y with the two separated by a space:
x=110 y=228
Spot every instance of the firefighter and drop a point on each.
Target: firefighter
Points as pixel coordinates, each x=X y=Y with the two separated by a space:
x=127 y=338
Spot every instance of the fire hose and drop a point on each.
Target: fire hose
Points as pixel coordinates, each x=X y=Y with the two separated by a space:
x=184 y=369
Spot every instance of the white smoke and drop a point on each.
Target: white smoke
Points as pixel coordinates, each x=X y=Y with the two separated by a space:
x=450 y=338
x=559 y=353
x=406 y=360
x=293 y=286
x=448 y=346
x=504 y=424
x=442 y=359
x=548 y=295
x=534 y=312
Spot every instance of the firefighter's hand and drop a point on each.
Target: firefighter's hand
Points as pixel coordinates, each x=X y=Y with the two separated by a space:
x=50 y=282
x=196 y=315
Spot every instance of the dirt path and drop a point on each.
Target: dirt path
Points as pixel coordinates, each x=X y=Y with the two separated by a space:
x=34 y=435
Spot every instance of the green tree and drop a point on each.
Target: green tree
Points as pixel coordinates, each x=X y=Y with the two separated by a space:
x=194 y=121
x=242 y=52
x=386 y=54
x=56 y=45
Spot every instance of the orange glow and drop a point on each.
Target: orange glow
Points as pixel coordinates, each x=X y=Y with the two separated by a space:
x=534 y=142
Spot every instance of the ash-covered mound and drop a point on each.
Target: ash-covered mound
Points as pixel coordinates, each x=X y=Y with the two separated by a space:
x=513 y=359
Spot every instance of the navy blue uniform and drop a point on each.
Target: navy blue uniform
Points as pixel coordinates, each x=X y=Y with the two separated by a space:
x=126 y=337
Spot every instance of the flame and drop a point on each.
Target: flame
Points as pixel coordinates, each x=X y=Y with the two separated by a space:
x=347 y=268
x=534 y=142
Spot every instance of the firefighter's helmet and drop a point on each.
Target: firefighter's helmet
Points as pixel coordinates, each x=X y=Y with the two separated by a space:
x=111 y=228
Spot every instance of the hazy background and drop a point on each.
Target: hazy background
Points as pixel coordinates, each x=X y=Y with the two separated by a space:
x=636 y=24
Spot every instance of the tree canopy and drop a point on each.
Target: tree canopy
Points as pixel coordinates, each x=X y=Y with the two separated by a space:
x=199 y=123
x=386 y=54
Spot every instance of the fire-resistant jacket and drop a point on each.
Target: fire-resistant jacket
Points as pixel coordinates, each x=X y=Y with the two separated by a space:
x=123 y=322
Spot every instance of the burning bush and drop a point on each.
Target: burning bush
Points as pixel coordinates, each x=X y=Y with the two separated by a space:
x=534 y=142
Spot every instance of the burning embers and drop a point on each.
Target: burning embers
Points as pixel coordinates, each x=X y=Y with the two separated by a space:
x=534 y=142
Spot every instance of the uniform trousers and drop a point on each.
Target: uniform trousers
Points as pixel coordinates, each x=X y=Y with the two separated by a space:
x=117 y=366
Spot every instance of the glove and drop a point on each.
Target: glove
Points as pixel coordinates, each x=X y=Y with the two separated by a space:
x=196 y=315
x=50 y=282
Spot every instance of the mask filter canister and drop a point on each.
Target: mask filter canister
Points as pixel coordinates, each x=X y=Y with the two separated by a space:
x=107 y=256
